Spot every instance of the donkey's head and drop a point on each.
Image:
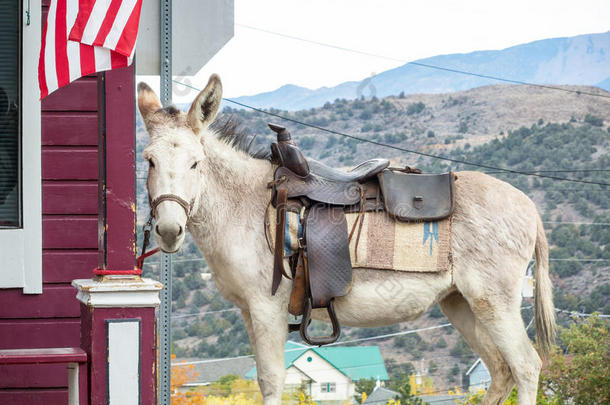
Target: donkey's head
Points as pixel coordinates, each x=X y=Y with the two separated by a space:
x=174 y=155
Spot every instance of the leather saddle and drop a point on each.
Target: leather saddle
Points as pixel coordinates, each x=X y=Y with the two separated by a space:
x=321 y=268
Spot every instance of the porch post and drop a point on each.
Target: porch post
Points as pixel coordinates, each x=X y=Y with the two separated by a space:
x=118 y=326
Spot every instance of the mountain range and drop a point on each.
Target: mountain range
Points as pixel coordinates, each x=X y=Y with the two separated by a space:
x=579 y=60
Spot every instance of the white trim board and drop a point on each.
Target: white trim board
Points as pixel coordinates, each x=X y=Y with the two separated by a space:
x=123 y=361
x=21 y=267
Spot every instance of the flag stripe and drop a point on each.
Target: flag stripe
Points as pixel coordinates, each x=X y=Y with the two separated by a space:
x=102 y=59
x=107 y=23
x=84 y=11
x=120 y=23
x=73 y=48
x=127 y=42
x=49 y=50
x=42 y=78
x=95 y=21
x=117 y=60
x=87 y=59
x=61 y=45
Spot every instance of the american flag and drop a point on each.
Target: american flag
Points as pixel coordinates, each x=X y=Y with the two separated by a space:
x=86 y=36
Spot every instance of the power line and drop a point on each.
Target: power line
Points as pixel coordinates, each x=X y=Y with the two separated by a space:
x=360 y=139
x=562 y=171
x=579 y=260
x=407 y=332
x=580 y=314
x=551 y=259
x=204 y=313
x=425 y=65
x=577 y=223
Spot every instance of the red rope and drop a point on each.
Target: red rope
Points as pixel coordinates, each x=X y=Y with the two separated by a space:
x=134 y=272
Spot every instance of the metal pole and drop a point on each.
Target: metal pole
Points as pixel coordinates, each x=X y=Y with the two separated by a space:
x=165 y=355
x=166 y=52
x=166 y=260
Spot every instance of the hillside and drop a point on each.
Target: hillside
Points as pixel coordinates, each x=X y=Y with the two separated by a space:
x=582 y=60
x=435 y=123
x=519 y=127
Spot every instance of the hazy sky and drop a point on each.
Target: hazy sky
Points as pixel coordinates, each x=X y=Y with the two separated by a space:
x=254 y=61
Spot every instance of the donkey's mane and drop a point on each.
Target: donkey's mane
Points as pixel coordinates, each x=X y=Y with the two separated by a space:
x=230 y=129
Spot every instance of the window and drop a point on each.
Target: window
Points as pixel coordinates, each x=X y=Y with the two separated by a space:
x=20 y=173
x=328 y=387
x=10 y=193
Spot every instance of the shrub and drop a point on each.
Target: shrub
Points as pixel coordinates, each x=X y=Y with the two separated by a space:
x=593 y=120
x=415 y=108
x=365 y=115
x=307 y=142
x=463 y=127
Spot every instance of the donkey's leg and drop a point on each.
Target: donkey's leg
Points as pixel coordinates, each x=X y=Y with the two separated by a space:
x=269 y=328
x=459 y=313
x=249 y=329
x=497 y=307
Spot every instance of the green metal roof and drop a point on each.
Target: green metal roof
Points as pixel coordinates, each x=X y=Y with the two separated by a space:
x=356 y=362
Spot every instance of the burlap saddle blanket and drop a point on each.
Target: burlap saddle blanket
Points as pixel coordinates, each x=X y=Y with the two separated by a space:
x=384 y=244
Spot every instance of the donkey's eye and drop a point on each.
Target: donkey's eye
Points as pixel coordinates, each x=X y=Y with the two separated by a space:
x=151 y=163
x=194 y=166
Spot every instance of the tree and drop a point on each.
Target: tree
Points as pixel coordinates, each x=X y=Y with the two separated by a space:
x=581 y=375
x=199 y=299
x=441 y=343
x=364 y=387
x=453 y=373
x=406 y=397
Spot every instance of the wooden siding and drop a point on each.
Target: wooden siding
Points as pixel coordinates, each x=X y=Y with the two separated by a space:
x=69 y=223
x=71 y=121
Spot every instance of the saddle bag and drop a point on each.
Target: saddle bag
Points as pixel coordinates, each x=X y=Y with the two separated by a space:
x=417 y=197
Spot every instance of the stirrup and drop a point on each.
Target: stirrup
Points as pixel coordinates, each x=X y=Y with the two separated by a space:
x=306 y=320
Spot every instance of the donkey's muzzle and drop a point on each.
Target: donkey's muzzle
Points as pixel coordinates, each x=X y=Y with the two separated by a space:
x=169 y=232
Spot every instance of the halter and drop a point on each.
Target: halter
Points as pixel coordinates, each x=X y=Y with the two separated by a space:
x=188 y=208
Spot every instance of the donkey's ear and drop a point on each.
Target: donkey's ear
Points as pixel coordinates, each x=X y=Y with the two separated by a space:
x=148 y=102
x=206 y=104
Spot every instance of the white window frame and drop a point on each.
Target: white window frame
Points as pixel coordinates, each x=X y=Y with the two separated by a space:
x=21 y=249
x=328 y=387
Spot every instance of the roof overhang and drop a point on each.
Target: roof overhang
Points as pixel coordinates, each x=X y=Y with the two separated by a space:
x=200 y=28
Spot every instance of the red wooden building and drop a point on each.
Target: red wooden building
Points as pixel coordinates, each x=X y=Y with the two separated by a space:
x=67 y=208
x=84 y=202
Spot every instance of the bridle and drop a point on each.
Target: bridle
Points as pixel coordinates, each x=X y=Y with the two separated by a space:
x=188 y=208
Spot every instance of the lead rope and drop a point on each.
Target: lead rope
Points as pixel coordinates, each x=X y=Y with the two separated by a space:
x=146 y=229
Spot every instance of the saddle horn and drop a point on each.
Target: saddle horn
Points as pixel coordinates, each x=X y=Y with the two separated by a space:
x=285 y=152
x=282 y=133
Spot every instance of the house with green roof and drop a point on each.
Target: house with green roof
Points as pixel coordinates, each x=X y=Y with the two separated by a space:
x=329 y=373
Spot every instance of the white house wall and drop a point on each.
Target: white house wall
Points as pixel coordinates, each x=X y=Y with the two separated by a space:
x=294 y=376
x=322 y=372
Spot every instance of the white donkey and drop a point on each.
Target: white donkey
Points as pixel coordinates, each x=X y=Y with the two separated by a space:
x=222 y=194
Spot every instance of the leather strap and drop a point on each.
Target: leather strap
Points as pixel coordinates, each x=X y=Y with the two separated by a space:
x=171 y=197
x=278 y=256
x=297 y=296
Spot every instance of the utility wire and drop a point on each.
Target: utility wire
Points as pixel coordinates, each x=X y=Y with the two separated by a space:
x=577 y=223
x=407 y=332
x=360 y=139
x=424 y=65
x=204 y=313
x=580 y=314
x=575 y=259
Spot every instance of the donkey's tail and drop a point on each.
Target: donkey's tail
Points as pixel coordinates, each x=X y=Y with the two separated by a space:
x=544 y=308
